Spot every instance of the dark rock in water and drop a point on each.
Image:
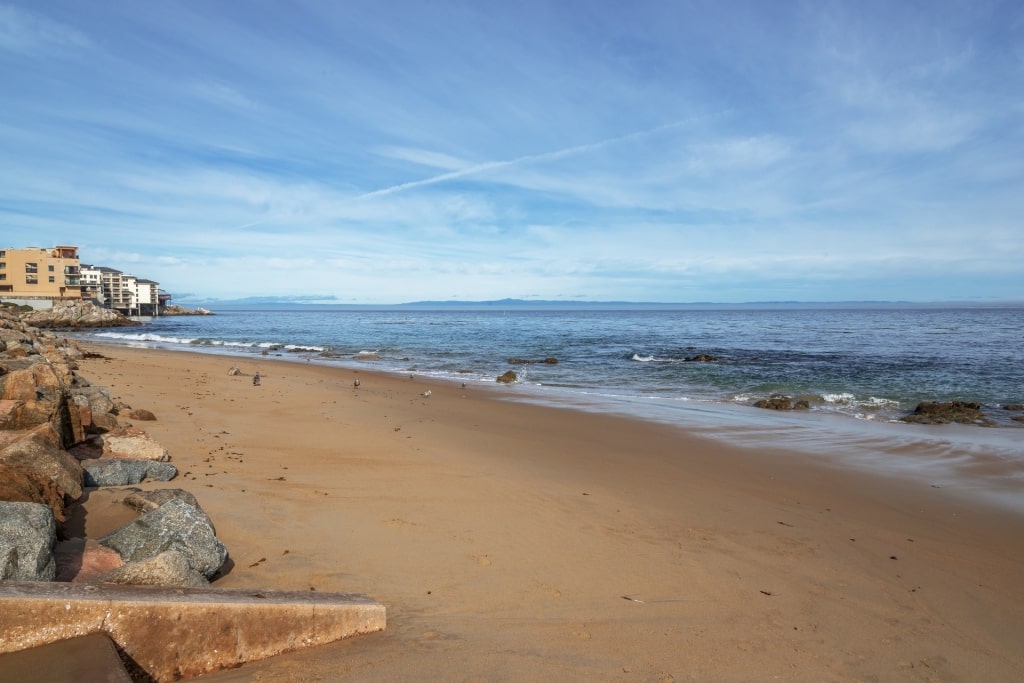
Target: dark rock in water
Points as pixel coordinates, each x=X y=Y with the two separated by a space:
x=169 y=568
x=508 y=378
x=703 y=358
x=125 y=472
x=519 y=361
x=944 y=412
x=28 y=534
x=1014 y=406
x=177 y=526
x=551 y=360
x=780 y=402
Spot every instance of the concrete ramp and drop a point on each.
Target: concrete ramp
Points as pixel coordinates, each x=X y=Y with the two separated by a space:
x=166 y=634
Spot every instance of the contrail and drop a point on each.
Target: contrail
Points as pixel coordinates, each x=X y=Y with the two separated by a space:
x=546 y=156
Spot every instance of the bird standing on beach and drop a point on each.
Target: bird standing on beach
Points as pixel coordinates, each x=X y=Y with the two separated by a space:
x=426 y=393
x=356 y=383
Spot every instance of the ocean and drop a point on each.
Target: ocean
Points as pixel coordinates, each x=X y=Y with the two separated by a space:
x=860 y=367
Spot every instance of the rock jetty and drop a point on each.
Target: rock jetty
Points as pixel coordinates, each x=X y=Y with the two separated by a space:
x=60 y=435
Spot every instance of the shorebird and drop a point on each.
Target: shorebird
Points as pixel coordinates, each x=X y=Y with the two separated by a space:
x=425 y=393
x=356 y=383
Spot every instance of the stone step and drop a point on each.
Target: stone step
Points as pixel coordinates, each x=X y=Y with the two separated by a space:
x=173 y=633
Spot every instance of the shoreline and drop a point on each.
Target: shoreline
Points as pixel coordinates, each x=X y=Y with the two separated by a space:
x=503 y=536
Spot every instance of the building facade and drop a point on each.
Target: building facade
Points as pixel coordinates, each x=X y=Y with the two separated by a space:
x=40 y=273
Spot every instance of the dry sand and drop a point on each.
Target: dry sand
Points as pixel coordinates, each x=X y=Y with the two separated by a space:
x=513 y=542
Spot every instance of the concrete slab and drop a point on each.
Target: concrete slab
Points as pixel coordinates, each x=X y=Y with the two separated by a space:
x=168 y=634
x=88 y=659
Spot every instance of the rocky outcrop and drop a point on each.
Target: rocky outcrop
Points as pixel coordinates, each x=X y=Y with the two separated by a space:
x=77 y=314
x=21 y=484
x=508 y=378
x=934 y=412
x=550 y=360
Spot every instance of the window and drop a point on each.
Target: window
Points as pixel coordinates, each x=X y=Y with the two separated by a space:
x=3 y=276
x=50 y=267
x=31 y=267
x=3 y=264
x=3 y=253
x=31 y=280
x=50 y=279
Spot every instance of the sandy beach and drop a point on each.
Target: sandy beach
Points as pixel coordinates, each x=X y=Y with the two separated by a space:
x=512 y=542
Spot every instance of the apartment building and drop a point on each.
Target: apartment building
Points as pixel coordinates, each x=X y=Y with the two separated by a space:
x=115 y=289
x=40 y=273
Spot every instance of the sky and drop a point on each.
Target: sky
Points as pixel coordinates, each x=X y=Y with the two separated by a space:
x=388 y=151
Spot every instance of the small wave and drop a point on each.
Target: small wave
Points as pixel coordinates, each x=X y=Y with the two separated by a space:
x=144 y=337
x=844 y=397
x=643 y=359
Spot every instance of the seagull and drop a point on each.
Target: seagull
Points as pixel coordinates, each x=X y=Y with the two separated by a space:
x=356 y=383
x=425 y=393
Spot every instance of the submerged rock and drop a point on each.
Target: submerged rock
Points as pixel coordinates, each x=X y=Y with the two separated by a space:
x=781 y=402
x=944 y=412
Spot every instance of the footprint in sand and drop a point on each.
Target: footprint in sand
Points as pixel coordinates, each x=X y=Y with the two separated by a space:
x=482 y=560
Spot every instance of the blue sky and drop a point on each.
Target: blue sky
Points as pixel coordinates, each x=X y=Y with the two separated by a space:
x=383 y=152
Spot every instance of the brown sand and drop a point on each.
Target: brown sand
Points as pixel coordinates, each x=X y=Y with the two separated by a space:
x=505 y=538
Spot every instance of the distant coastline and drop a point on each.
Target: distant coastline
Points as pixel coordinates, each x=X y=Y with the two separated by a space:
x=277 y=303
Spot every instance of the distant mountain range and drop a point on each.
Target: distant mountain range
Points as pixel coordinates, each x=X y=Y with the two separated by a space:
x=322 y=303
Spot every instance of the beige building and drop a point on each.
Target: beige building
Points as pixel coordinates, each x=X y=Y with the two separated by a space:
x=40 y=273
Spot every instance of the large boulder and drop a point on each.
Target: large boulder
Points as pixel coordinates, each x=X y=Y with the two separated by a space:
x=28 y=533
x=20 y=484
x=128 y=442
x=123 y=472
x=40 y=450
x=169 y=568
x=177 y=526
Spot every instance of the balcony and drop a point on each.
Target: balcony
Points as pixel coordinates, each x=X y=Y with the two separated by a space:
x=72 y=281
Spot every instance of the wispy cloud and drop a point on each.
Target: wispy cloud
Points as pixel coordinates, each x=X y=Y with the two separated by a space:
x=658 y=152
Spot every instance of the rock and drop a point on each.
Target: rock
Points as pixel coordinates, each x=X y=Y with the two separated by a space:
x=141 y=414
x=175 y=309
x=932 y=412
x=39 y=450
x=83 y=561
x=1014 y=406
x=20 y=484
x=703 y=358
x=780 y=402
x=28 y=533
x=508 y=377
x=175 y=525
x=77 y=314
x=169 y=568
x=551 y=360
x=131 y=443
x=144 y=501
x=124 y=472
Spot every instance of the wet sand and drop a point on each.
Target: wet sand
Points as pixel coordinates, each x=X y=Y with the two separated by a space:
x=515 y=542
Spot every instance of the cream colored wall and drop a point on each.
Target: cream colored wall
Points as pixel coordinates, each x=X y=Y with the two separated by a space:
x=17 y=278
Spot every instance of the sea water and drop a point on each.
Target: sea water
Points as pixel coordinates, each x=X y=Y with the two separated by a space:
x=701 y=367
